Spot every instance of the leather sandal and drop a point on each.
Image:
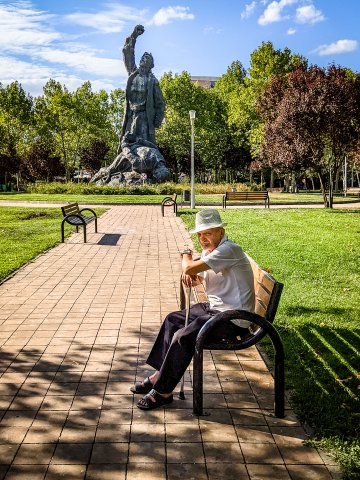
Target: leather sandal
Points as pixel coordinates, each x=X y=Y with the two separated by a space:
x=143 y=387
x=153 y=400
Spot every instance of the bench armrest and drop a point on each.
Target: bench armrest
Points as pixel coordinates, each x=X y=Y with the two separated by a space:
x=227 y=316
x=90 y=210
x=167 y=199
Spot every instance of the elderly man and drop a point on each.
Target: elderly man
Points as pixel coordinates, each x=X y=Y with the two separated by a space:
x=226 y=273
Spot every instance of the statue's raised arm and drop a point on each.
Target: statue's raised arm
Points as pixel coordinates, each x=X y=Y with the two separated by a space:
x=129 y=49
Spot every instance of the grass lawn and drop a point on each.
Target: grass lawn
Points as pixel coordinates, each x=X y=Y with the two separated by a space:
x=22 y=234
x=201 y=199
x=315 y=253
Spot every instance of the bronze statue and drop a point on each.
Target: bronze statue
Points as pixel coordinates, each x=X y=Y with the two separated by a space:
x=145 y=105
x=138 y=156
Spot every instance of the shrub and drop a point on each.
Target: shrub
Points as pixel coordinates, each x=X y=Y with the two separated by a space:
x=167 y=188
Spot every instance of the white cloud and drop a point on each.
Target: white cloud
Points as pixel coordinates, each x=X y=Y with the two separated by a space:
x=273 y=12
x=33 y=77
x=21 y=25
x=249 y=10
x=291 y=31
x=83 y=60
x=309 y=14
x=168 y=14
x=111 y=20
x=341 y=46
x=212 y=30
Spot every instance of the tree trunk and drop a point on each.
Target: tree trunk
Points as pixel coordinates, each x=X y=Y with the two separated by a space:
x=271 y=178
x=250 y=175
x=323 y=191
x=286 y=183
x=336 y=183
x=312 y=183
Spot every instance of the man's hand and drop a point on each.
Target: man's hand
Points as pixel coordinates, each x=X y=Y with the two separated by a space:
x=138 y=30
x=190 y=280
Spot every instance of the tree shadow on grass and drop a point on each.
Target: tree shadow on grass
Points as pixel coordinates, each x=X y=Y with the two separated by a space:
x=294 y=311
x=322 y=374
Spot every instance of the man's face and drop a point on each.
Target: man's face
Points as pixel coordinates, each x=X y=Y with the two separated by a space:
x=145 y=64
x=210 y=239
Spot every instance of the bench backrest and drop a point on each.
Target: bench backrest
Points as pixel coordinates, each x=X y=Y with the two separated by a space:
x=267 y=292
x=70 y=208
x=246 y=195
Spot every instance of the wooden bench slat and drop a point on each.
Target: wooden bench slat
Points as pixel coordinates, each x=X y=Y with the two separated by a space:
x=259 y=309
x=262 y=293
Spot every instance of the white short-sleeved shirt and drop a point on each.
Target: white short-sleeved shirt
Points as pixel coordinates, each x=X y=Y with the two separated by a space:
x=229 y=283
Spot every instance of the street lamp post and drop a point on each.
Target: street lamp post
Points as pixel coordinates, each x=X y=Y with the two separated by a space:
x=192 y=197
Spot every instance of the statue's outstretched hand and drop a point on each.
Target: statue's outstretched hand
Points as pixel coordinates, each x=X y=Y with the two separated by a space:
x=138 y=30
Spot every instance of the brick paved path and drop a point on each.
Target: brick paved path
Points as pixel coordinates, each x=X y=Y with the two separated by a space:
x=76 y=325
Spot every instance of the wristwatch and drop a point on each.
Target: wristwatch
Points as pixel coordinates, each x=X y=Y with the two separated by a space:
x=187 y=251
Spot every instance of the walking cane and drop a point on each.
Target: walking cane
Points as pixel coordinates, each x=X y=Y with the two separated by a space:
x=187 y=312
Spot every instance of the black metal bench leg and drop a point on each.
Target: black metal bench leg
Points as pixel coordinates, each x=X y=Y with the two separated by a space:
x=84 y=233
x=95 y=225
x=198 y=382
x=279 y=403
x=62 y=232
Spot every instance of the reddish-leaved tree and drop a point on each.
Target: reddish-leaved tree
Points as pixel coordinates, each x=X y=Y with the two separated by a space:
x=312 y=120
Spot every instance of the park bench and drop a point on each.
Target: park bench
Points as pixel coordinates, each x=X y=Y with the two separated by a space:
x=246 y=196
x=169 y=202
x=74 y=216
x=353 y=191
x=267 y=294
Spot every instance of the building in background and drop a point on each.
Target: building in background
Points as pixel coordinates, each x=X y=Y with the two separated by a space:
x=206 y=82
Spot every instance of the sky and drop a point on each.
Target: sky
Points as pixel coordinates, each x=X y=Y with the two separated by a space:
x=73 y=41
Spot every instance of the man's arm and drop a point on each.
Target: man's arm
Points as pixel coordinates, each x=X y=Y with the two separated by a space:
x=129 y=49
x=192 y=267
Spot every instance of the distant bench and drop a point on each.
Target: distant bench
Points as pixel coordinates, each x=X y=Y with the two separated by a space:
x=353 y=191
x=244 y=196
x=74 y=216
x=169 y=202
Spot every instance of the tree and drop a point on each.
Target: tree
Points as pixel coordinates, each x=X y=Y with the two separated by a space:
x=211 y=134
x=93 y=156
x=15 y=124
x=39 y=163
x=312 y=121
x=72 y=121
x=244 y=120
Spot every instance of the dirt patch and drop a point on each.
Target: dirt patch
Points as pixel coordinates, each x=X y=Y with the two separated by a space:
x=33 y=215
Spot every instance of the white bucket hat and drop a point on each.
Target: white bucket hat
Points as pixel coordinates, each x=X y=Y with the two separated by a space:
x=206 y=219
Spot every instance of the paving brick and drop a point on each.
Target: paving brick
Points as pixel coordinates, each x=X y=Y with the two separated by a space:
x=106 y=472
x=270 y=472
x=34 y=453
x=189 y=471
x=220 y=471
x=216 y=452
x=26 y=472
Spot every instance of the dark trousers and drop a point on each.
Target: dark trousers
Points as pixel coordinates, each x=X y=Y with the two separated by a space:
x=174 y=346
